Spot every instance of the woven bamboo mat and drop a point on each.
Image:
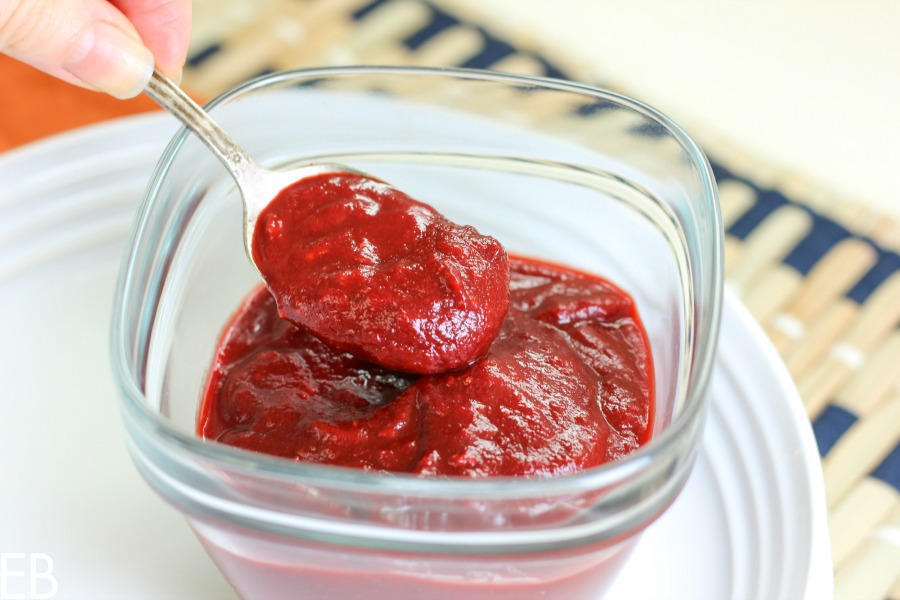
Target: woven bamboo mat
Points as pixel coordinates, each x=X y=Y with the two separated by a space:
x=820 y=273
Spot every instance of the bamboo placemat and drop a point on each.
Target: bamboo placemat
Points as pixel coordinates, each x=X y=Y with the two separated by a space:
x=820 y=273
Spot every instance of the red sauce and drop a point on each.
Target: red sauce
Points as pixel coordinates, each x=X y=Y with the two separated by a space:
x=373 y=272
x=566 y=384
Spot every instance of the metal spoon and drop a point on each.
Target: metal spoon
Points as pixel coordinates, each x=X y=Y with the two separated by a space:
x=471 y=287
x=258 y=186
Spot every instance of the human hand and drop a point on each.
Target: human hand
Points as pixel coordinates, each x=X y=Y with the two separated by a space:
x=105 y=45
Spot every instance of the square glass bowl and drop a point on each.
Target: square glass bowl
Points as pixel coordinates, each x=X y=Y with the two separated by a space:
x=556 y=171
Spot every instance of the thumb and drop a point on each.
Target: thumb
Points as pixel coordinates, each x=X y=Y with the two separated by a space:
x=85 y=42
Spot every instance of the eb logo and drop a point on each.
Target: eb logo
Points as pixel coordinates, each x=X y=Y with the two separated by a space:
x=26 y=576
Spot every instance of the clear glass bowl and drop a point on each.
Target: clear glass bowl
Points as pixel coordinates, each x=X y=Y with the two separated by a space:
x=557 y=171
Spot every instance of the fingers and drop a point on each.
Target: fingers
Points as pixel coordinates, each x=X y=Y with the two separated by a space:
x=98 y=44
x=165 y=27
x=87 y=42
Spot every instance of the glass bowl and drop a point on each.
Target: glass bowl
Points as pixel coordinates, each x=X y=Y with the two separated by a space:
x=557 y=171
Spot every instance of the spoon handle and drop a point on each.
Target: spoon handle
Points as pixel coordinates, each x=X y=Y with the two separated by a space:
x=172 y=98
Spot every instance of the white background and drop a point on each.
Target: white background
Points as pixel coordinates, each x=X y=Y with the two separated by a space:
x=812 y=87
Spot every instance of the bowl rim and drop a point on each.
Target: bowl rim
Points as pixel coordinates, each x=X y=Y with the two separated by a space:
x=133 y=400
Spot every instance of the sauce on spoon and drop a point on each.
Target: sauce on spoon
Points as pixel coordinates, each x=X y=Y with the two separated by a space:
x=373 y=272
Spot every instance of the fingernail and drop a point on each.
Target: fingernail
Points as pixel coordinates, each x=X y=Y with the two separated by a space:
x=116 y=63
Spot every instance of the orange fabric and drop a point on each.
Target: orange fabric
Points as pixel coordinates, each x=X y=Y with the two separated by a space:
x=34 y=105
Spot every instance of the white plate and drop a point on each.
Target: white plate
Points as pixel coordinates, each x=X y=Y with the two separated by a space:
x=76 y=519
